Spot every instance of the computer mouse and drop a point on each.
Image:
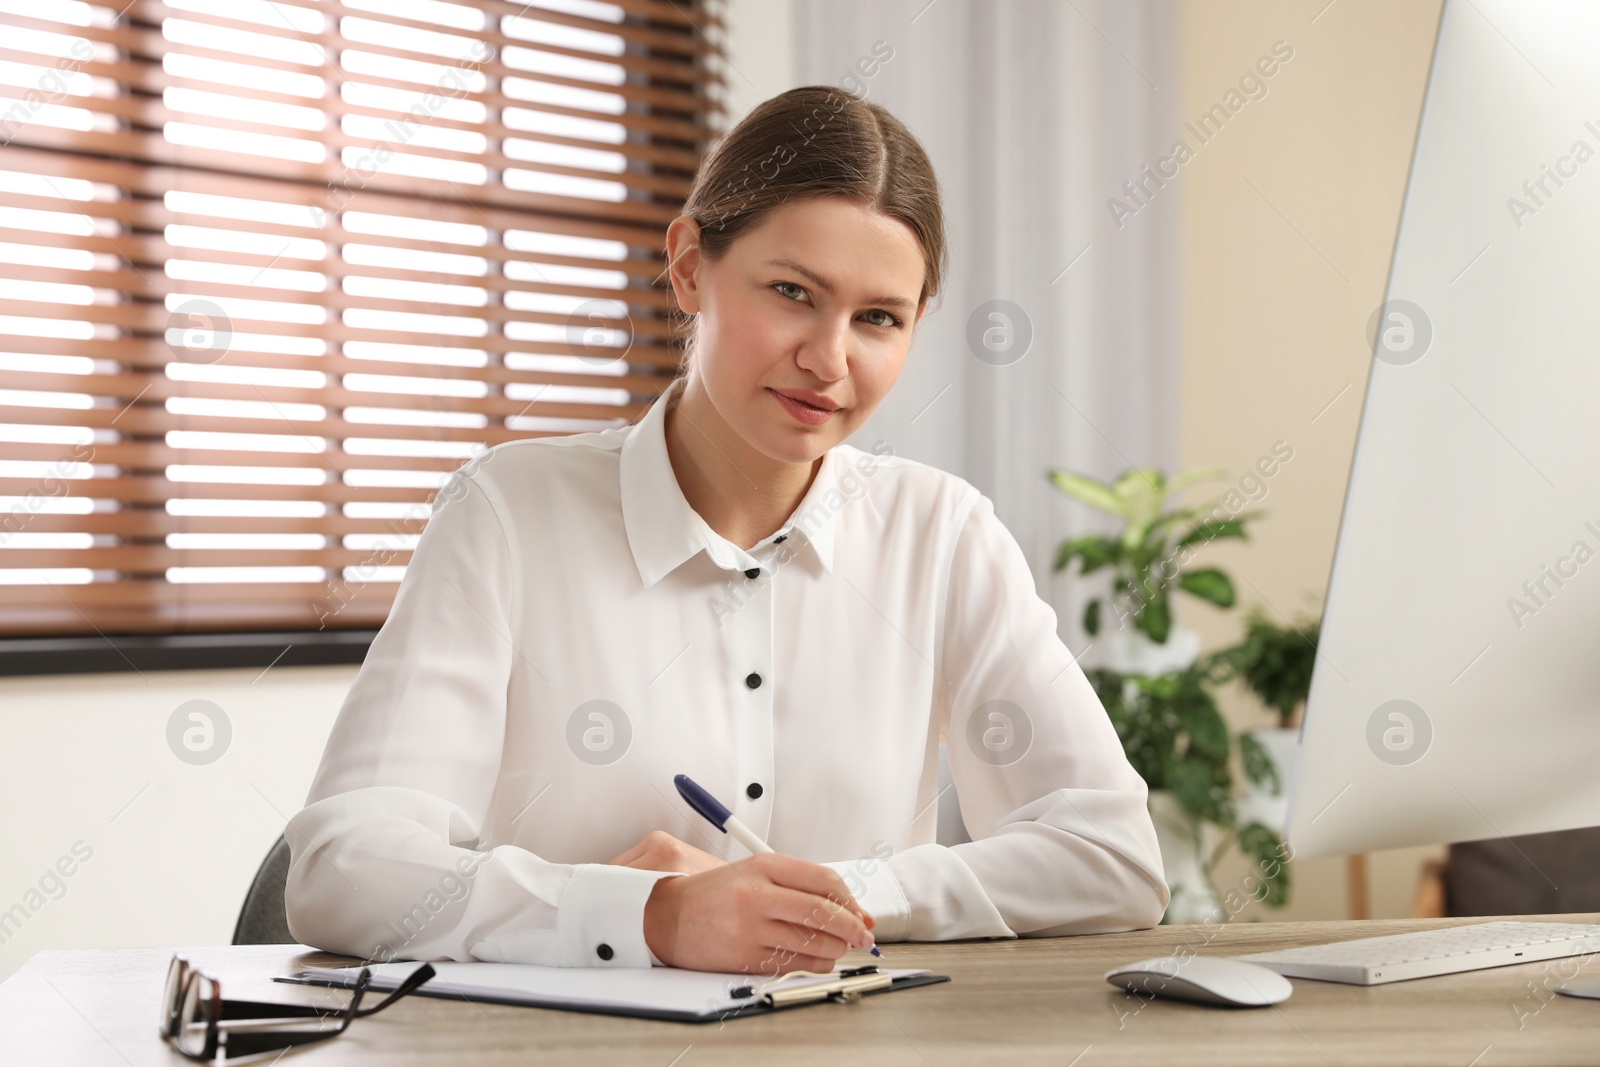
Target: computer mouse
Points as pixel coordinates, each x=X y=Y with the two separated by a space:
x=1205 y=980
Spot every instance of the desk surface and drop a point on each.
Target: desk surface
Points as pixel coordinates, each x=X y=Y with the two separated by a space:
x=1028 y=1001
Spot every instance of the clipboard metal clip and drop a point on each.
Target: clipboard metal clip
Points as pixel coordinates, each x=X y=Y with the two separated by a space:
x=847 y=988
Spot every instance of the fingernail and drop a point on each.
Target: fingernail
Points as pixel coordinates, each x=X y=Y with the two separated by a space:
x=866 y=939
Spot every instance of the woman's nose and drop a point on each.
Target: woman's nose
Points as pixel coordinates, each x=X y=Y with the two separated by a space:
x=826 y=352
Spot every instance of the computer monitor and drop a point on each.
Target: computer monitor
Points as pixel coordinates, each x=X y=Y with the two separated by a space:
x=1456 y=694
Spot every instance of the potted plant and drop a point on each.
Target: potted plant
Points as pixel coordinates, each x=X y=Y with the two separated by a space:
x=1274 y=662
x=1178 y=742
x=1154 y=687
x=1148 y=560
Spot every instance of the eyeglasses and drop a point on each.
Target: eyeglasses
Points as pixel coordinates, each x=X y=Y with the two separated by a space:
x=197 y=1022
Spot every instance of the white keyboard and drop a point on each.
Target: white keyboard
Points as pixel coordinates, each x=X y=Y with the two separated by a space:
x=1397 y=957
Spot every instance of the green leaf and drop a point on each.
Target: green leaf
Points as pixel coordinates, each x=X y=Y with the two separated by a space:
x=1213 y=530
x=1208 y=583
x=1276 y=662
x=1264 y=847
x=1082 y=487
x=1156 y=618
x=1168 y=518
x=1208 y=733
x=1258 y=766
x=1094 y=550
x=1193 y=782
x=1142 y=490
x=1091 y=617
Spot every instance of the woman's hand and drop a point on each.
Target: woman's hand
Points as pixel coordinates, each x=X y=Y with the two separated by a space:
x=766 y=914
x=660 y=851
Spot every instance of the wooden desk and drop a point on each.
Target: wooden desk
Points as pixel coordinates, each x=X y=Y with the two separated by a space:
x=1010 y=1002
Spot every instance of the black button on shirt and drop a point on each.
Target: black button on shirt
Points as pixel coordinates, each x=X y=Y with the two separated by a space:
x=753 y=680
x=753 y=791
x=604 y=951
x=753 y=572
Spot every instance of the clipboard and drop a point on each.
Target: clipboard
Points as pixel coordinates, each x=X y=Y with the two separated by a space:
x=666 y=993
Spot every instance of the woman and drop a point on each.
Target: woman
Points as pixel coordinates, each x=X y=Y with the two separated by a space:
x=727 y=590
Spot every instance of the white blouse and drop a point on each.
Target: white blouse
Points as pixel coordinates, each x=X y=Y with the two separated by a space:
x=570 y=634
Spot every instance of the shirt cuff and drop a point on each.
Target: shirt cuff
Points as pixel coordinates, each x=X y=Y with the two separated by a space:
x=878 y=891
x=601 y=916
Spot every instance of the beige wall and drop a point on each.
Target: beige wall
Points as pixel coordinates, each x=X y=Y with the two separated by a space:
x=1289 y=220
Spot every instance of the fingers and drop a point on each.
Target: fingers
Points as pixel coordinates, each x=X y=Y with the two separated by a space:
x=788 y=937
x=811 y=878
x=820 y=915
x=647 y=847
x=629 y=856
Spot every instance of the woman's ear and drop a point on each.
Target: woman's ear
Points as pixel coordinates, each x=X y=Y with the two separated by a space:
x=683 y=262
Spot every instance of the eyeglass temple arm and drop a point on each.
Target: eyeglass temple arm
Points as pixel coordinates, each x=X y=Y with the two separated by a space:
x=235 y=1010
x=412 y=982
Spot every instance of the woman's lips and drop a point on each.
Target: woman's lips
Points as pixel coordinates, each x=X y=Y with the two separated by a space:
x=804 y=412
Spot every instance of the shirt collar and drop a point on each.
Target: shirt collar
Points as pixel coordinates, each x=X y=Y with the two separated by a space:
x=664 y=531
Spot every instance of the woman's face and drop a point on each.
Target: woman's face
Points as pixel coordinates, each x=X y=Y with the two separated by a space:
x=820 y=298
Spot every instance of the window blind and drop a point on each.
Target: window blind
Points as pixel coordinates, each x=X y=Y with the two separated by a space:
x=271 y=271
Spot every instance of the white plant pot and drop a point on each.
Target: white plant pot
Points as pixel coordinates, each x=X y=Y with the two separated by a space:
x=1130 y=651
x=1185 y=841
x=1259 y=803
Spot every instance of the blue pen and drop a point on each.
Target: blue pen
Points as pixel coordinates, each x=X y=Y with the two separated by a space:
x=724 y=820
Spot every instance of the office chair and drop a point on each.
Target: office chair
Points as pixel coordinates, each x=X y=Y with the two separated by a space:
x=262 y=920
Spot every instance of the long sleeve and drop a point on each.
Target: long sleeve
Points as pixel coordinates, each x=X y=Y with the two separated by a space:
x=381 y=866
x=1063 y=840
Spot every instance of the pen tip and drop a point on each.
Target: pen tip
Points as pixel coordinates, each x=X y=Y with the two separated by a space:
x=876 y=953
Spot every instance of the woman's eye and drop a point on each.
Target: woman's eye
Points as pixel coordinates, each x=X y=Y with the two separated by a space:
x=780 y=286
x=892 y=320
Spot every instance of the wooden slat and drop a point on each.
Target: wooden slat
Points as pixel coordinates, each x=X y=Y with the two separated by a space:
x=147 y=285
x=132 y=282
x=146 y=523
x=143 y=614
x=154 y=559
x=145 y=456
x=144 y=489
x=154 y=318
x=153 y=353
x=152 y=388
x=154 y=591
x=140 y=419
x=191 y=616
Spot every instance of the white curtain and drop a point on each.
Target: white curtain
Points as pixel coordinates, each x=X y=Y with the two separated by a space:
x=1035 y=114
